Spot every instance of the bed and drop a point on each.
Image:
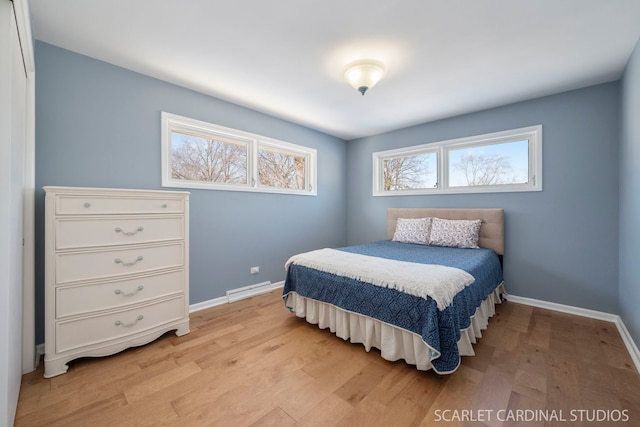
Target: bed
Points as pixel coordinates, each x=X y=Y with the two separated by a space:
x=411 y=300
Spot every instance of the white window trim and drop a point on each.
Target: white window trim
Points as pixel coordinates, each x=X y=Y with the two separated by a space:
x=531 y=133
x=172 y=122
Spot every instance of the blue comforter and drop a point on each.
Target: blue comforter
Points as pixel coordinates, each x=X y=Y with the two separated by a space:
x=440 y=329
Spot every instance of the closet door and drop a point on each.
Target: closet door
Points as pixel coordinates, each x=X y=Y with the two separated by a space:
x=13 y=134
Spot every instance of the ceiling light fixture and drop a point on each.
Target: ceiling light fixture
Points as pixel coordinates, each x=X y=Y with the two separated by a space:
x=364 y=74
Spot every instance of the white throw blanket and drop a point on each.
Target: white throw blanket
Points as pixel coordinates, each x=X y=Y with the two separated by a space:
x=422 y=280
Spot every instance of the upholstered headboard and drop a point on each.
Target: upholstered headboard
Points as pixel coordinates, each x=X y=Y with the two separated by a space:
x=491 y=230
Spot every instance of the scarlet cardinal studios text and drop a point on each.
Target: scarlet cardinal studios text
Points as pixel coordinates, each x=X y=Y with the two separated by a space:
x=530 y=415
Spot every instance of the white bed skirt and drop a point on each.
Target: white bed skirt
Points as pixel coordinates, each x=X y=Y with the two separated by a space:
x=394 y=343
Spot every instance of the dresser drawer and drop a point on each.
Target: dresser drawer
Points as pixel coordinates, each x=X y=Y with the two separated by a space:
x=89 y=205
x=116 y=261
x=82 y=299
x=90 y=330
x=88 y=231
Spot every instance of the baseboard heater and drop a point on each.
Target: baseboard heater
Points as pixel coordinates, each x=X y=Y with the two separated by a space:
x=249 y=291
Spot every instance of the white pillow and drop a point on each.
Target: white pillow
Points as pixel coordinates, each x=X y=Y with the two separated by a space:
x=413 y=230
x=461 y=233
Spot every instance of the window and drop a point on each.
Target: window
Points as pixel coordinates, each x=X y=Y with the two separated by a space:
x=197 y=154
x=497 y=162
x=211 y=158
x=413 y=171
x=278 y=168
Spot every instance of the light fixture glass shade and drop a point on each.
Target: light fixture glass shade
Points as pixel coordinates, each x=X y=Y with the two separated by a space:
x=364 y=74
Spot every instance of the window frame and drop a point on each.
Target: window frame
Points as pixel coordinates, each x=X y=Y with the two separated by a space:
x=378 y=172
x=174 y=123
x=533 y=134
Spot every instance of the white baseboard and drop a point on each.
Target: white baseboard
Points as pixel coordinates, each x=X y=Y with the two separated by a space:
x=628 y=341
x=207 y=304
x=224 y=300
x=569 y=309
x=632 y=348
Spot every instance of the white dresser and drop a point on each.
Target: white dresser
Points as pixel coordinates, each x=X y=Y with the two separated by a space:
x=116 y=270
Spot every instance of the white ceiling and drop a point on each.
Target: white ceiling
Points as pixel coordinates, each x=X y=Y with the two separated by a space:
x=286 y=57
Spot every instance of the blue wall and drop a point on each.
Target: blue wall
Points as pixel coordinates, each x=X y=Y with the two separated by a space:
x=98 y=125
x=561 y=243
x=630 y=197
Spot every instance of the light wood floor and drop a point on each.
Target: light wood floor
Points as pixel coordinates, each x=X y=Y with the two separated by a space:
x=252 y=363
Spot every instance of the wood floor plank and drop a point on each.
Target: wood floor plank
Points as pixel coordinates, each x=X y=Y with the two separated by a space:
x=147 y=412
x=161 y=381
x=367 y=412
x=327 y=412
x=276 y=418
x=520 y=319
x=70 y=412
x=403 y=412
x=523 y=411
x=457 y=395
x=424 y=389
x=359 y=385
x=252 y=363
x=393 y=383
x=248 y=402
x=539 y=333
x=531 y=384
x=493 y=393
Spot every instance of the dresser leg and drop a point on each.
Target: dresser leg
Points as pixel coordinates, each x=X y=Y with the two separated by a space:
x=182 y=329
x=54 y=368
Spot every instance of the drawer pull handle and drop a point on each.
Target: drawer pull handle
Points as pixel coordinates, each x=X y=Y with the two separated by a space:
x=164 y=205
x=128 y=325
x=128 y=264
x=130 y=294
x=129 y=233
x=87 y=205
